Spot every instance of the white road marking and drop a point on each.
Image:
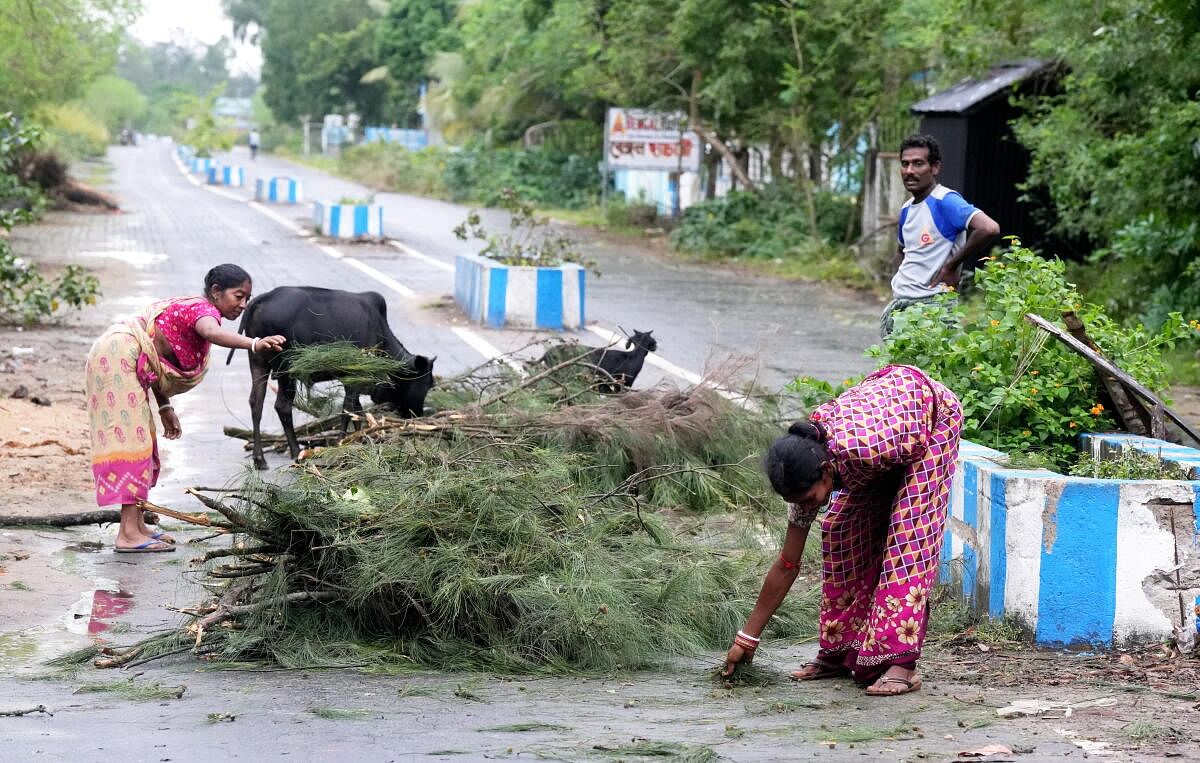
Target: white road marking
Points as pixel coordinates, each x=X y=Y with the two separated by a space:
x=279 y=219
x=440 y=264
x=485 y=348
x=382 y=278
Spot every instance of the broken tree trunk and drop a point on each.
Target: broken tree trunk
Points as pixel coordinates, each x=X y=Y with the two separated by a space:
x=1130 y=411
x=1107 y=366
x=98 y=517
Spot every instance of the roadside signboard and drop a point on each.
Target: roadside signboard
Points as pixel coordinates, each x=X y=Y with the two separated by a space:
x=650 y=140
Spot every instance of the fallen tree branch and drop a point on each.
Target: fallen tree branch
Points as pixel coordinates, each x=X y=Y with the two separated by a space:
x=38 y=709
x=217 y=554
x=198 y=518
x=538 y=377
x=227 y=611
x=230 y=513
x=98 y=517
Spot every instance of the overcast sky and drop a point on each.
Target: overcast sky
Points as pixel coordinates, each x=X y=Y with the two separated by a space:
x=196 y=20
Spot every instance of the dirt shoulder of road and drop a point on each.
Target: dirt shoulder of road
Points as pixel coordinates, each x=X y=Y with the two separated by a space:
x=45 y=448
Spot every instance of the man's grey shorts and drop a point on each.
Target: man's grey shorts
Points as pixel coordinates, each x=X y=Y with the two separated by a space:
x=903 y=303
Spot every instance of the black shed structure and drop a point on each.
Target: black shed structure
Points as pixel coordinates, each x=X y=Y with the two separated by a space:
x=981 y=157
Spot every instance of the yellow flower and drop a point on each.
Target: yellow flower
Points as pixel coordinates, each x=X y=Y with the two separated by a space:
x=846 y=383
x=1097 y=409
x=1072 y=425
x=1026 y=433
x=1034 y=373
x=995 y=323
x=831 y=631
x=908 y=631
x=1033 y=390
x=916 y=597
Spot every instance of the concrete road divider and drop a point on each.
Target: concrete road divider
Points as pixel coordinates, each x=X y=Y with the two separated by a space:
x=280 y=190
x=227 y=175
x=1078 y=560
x=495 y=294
x=348 y=220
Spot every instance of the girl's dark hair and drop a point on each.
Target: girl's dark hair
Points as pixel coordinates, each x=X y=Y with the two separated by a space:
x=793 y=464
x=224 y=277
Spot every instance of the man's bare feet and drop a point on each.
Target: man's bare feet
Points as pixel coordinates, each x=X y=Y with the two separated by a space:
x=896 y=680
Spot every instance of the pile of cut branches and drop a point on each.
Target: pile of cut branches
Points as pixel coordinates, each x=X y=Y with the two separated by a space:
x=532 y=529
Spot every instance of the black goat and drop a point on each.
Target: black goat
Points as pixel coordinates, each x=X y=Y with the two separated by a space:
x=614 y=369
x=623 y=366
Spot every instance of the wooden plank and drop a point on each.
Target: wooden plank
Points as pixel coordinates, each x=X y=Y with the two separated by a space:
x=1104 y=364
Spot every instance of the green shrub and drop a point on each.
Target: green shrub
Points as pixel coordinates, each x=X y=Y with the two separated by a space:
x=395 y=168
x=546 y=179
x=620 y=213
x=72 y=131
x=25 y=294
x=768 y=224
x=1021 y=390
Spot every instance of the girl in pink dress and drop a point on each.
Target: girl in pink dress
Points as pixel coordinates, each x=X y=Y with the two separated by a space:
x=163 y=351
x=885 y=450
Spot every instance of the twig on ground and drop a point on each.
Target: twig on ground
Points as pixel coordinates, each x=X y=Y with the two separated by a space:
x=38 y=709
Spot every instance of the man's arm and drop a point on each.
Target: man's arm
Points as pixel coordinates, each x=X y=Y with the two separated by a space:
x=981 y=232
x=897 y=258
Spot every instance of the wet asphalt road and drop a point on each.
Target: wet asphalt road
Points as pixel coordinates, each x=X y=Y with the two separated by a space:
x=172 y=232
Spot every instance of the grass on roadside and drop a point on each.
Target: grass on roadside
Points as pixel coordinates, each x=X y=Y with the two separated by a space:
x=341 y=713
x=134 y=691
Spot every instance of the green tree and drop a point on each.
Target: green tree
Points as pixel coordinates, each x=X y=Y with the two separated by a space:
x=408 y=36
x=115 y=101
x=49 y=50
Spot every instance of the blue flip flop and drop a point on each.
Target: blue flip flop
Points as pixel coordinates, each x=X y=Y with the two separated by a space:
x=145 y=548
x=163 y=537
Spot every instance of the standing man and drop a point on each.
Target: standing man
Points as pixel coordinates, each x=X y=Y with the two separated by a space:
x=938 y=231
x=253 y=140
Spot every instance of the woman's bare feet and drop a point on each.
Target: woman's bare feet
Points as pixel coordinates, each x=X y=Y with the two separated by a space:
x=896 y=680
x=819 y=669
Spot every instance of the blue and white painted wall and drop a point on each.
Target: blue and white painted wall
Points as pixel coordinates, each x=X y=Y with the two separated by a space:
x=348 y=220
x=1077 y=560
x=279 y=190
x=498 y=295
x=225 y=174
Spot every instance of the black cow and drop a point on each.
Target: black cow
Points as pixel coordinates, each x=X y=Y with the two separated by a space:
x=308 y=315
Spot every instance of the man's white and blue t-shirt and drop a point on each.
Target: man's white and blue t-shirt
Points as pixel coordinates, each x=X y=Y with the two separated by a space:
x=929 y=232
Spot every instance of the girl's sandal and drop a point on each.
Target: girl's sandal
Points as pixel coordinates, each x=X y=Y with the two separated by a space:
x=818 y=670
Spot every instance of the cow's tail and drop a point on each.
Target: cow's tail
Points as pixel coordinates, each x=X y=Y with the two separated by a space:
x=246 y=316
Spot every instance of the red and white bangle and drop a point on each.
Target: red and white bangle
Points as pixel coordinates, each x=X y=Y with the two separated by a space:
x=746 y=641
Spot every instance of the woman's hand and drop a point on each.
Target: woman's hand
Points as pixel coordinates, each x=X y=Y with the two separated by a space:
x=736 y=655
x=170 y=422
x=272 y=343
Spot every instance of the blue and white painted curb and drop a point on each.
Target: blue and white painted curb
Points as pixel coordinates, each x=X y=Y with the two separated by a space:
x=227 y=175
x=201 y=164
x=1077 y=560
x=348 y=220
x=497 y=295
x=283 y=190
